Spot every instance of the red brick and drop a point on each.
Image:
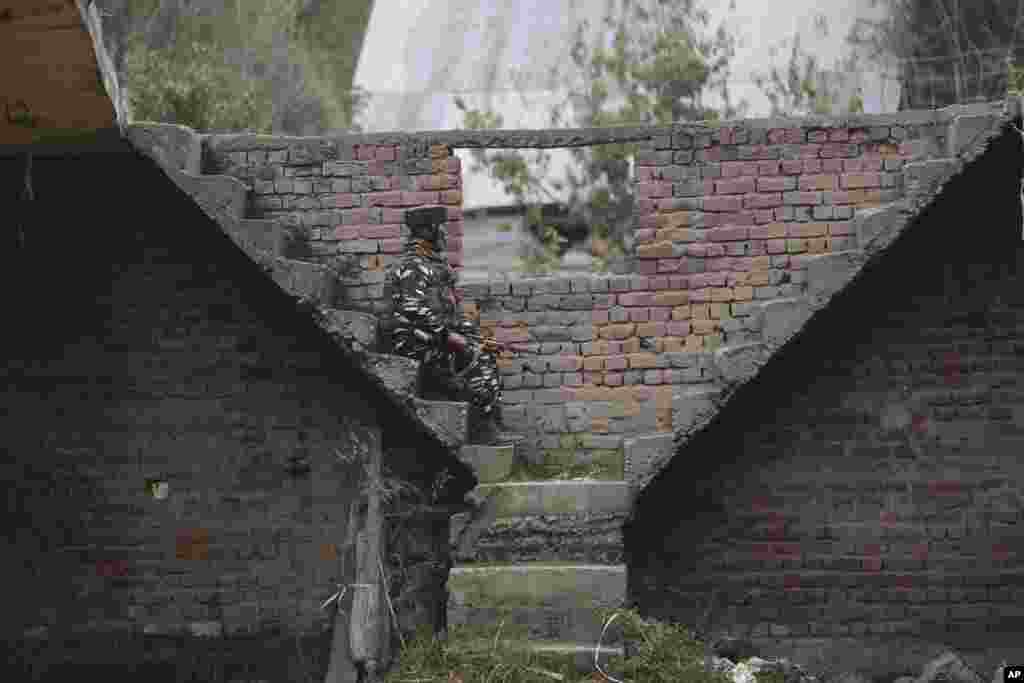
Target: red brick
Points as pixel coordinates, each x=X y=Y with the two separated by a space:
x=419 y=198
x=727 y=234
x=839 y=135
x=380 y=231
x=385 y=153
x=701 y=280
x=737 y=186
x=355 y=216
x=767 y=232
x=773 y=184
x=636 y=299
x=832 y=165
x=729 y=203
x=384 y=198
x=366 y=152
x=776 y=246
x=653 y=190
x=348 y=232
x=792 y=166
x=841 y=228
x=616 y=363
x=806 y=229
x=648 y=266
x=817 y=182
x=391 y=246
x=455 y=228
x=762 y=201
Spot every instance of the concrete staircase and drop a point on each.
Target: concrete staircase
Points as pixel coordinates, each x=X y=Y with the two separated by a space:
x=545 y=555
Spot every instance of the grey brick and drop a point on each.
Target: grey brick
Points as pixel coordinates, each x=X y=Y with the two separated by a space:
x=500 y=288
x=633 y=377
x=582 y=333
x=548 y=396
x=618 y=314
x=549 y=333
x=533 y=380
x=542 y=301
x=522 y=288
x=619 y=283
x=517 y=397
x=579 y=284
x=576 y=302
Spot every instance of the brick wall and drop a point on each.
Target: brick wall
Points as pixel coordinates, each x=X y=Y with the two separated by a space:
x=867 y=484
x=345 y=200
x=728 y=219
x=149 y=348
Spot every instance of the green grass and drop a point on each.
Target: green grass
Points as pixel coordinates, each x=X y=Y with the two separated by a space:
x=665 y=653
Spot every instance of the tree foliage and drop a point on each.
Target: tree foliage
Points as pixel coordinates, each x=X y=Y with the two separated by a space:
x=648 y=63
x=284 y=66
x=803 y=87
x=946 y=51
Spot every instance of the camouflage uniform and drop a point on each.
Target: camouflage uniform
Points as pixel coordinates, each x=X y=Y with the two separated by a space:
x=425 y=309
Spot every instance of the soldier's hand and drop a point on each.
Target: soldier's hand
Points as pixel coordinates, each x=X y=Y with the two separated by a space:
x=490 y=345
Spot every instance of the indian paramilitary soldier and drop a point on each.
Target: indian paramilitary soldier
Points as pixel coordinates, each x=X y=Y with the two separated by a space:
x=427 y=324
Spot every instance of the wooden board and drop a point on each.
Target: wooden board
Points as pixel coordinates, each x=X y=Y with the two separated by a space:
x=56 y=81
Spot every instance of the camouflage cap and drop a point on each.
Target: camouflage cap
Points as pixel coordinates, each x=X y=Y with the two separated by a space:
x=425 y=222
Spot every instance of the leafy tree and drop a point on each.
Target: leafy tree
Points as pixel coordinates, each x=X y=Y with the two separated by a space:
x=803 y=87
x=294 y=60
x=649 y=64
x=187 y=85
x=947 y=51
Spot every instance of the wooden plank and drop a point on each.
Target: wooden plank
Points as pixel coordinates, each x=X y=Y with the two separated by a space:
x=25 y=15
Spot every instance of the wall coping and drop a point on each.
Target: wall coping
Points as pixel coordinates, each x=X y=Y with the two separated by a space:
x=584 y=137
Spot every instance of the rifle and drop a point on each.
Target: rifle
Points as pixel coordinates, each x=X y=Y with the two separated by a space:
x=503 y=347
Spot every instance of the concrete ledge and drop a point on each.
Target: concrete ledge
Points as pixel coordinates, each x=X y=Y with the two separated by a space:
x=489 y=463
x=170 y=145
x=968 y=130
x=266 y=235
x=828 y=273
x=538 y=585
x=784 y=317
x=517 y=499
x=645 y=455
x=353 y=326
x=302 y=279
x=398 y=374
x=448 y=420
x=329 y=148
x=740 y=362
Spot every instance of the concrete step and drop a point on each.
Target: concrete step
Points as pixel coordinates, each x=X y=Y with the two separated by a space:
x=448 y=420
x=356 y=328
x=264 y=234
x=302 y=279
x=581 y=655
x=554 y=497
x=398 y=374
x=489 y=463
x=541 y=624
x=544 y=521
x=540 y=585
